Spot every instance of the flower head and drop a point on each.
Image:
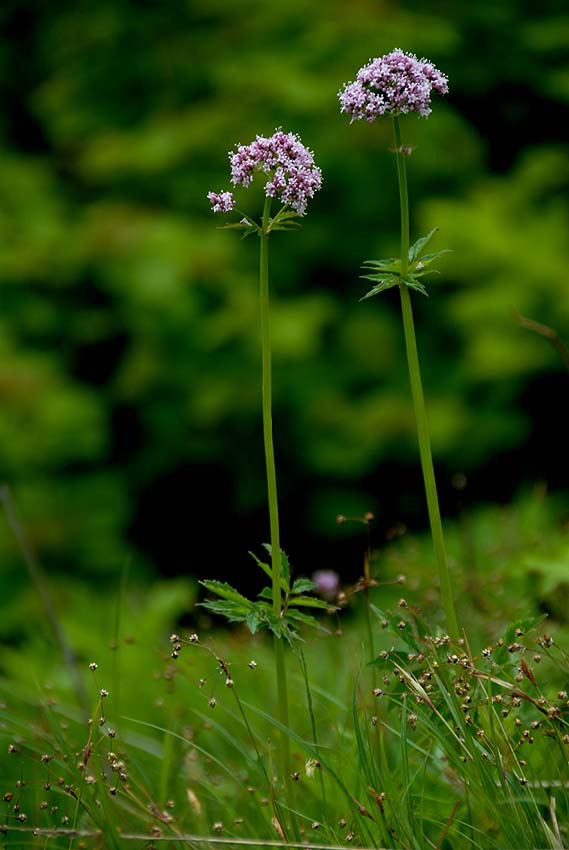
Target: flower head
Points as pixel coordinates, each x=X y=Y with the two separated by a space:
x=293 y=176
x=221 y=201
x=393 y=84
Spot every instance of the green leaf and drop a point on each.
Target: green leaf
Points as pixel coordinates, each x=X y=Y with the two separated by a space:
x=232 y=611
x=310 y=602
x=303 y=585
x=427 y=259
x=307 y=619
x=226 y=591
x=416 y=249
x=285 y=567
x=256 y=620
x=391 y=264
x=385 y=281
x=412 y=283
x=266 y=593
x=284 y=220
x=247 y=227
x=265 y=567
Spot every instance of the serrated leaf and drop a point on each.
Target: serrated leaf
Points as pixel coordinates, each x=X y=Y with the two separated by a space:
x=285 y=567
x=427 y=259
x=225 y=591
x=412 y=283
x=310 y=602
x=307 y=619
x=416 y=249
x=255 y=620
x=232 y=611
x=385 y=282
x=303 y=585
x=265 y=567
x=391 y=264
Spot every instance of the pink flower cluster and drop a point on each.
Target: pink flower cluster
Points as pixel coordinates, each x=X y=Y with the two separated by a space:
x=294 y=177
x=221 y=201
x=393 y=84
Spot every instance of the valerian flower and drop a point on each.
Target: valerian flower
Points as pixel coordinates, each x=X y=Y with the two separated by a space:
x=221 y=201
x=392 y=84
x=293 y=176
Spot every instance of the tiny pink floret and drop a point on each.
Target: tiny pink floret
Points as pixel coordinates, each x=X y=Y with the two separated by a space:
x=393 y=84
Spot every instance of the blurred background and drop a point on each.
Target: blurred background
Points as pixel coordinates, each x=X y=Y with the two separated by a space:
x=130 y=422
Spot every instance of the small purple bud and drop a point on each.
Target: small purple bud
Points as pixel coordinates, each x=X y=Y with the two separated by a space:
x=327 y=583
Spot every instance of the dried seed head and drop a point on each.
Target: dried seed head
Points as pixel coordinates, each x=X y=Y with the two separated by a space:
x=403 y=603
x=194 y=638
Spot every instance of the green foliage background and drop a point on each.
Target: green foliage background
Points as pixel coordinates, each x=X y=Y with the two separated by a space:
x=129 y=357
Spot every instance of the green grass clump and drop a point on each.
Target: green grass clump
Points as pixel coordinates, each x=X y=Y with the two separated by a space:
x=429 y=743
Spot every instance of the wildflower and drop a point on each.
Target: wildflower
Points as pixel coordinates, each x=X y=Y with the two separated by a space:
x=221 y=201
x=393 y=84
x=327 y=582
x=93 y=666
x=293 y=176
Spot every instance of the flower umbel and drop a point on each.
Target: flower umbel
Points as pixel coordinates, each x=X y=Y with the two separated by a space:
x=392 y=84
x=221 y=201
x=293 y=176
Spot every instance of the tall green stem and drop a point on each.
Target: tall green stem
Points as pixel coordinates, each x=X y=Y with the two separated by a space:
x=419 y=400
x=272 y=478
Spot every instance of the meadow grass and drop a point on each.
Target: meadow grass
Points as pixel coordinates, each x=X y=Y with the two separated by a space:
x=434 y=744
